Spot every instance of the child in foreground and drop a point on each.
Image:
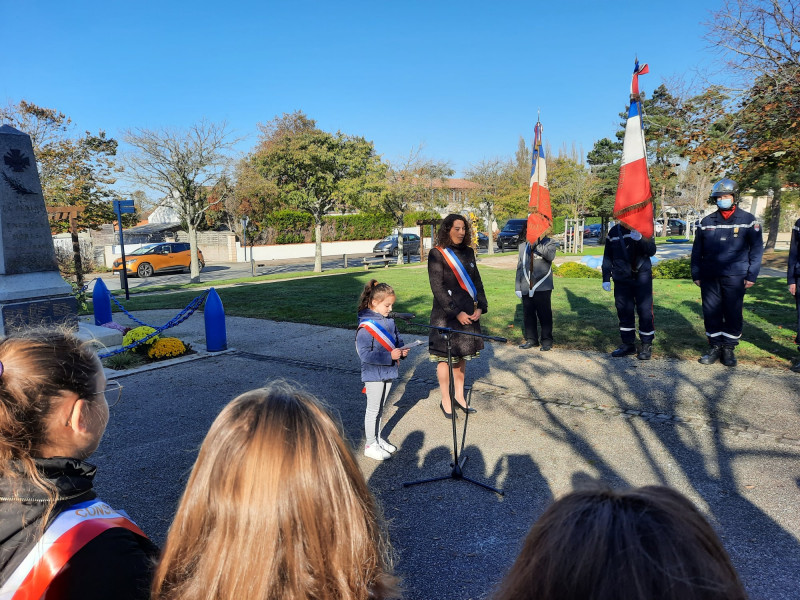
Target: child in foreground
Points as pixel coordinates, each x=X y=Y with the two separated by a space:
x=275 y=507
x=378 y=345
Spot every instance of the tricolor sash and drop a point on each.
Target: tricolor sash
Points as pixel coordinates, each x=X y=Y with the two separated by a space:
x=67 y=534
x=459 y=271
x=383 y=337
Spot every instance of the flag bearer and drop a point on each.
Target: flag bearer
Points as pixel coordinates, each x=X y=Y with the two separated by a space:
x=726 y=259
x=626 y=260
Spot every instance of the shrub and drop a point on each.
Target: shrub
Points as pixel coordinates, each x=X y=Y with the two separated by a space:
x=410 y=218
x=138 y=333
x=674 y=268
x=122 y=361
x=574 y=270
x=364 y=226
x=168 y=347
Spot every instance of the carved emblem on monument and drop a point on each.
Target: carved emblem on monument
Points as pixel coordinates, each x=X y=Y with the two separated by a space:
x=18 y=163
x=16 y=160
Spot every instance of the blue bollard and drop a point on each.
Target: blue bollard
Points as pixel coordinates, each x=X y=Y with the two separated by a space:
x=101 y=301
x=214 y=315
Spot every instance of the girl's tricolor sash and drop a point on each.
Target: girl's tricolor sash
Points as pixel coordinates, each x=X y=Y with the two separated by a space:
x=383 y=337
x=67 y=534
x=459 y=271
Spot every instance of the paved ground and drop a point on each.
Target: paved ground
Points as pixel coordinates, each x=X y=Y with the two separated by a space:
x=728 y=438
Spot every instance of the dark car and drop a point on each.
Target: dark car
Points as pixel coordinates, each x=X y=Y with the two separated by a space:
x=483 y=240
x=674 y=227
x=509 y=237
x=388 y=245
x=592 y=230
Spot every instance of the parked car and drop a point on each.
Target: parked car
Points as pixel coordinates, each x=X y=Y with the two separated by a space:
x=159 y=258
x=483 y=240
x=388 y=245
x=592 y=230
x=509 y=237
x=674 y=227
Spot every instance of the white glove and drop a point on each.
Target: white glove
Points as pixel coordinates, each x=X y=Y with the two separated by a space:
x=518 y=293
x=635 y=235
x=606 y=286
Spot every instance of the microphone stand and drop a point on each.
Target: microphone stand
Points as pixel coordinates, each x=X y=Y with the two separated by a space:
x=457 y=472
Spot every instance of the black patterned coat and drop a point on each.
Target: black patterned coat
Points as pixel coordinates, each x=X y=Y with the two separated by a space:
x=449 y=300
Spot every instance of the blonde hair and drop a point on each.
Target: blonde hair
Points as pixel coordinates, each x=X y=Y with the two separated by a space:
x=275 y=508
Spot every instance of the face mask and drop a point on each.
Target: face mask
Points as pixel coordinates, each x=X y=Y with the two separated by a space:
x=724 y=204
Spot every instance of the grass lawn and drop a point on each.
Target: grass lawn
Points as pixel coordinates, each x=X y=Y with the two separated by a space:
x=584 y=315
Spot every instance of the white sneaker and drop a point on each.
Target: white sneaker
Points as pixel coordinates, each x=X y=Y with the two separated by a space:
x=376 y=452
x=390 y=448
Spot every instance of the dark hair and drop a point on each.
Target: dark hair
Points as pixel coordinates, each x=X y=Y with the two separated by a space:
x=648 y=542
x=37 y=367
x=374 y=292
x=443 y=234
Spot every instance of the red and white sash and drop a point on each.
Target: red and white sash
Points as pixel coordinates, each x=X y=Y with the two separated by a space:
x=67 y=534
x=463 y=278
x=383 y=337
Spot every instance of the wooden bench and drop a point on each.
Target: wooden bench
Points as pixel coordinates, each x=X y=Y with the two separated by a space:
x=385 y=260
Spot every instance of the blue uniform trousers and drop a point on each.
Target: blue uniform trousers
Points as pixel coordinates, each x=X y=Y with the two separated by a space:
x=635 y=294
x=723 y=298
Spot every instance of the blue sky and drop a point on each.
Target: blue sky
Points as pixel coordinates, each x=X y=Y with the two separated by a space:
x=463 y=78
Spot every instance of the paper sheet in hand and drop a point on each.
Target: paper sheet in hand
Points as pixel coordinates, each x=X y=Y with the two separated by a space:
x=411 y=345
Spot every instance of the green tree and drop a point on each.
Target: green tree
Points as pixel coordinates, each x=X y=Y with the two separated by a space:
x=319 y=172
x=74 y=171
x=604 y=160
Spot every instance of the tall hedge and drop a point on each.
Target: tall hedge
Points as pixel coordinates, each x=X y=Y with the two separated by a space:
x=297 y=227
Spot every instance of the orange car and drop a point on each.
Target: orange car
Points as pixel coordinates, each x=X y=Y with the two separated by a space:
x=159 y=258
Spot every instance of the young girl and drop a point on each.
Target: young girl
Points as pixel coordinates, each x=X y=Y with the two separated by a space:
x=276 y=507
x=378 y=344
x=58 y=540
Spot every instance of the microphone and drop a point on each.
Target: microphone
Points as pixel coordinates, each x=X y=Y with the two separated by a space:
x=399 y=315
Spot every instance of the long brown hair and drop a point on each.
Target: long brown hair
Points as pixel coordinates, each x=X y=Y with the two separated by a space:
x=443 y=233
x=275 y=508
x=374 y=292
x=37 y=366
x=601 y=544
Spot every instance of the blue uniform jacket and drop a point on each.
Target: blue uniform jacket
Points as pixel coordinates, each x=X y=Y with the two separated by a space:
x=376 y=361
x=727 y=247
x=618 y=263
x=793 y=271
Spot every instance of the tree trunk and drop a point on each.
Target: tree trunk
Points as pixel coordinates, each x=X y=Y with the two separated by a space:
x=318 y=244
x=774 y=219
x=489 y=232
x=194 y=265
x=400 y=241
x=601 y=239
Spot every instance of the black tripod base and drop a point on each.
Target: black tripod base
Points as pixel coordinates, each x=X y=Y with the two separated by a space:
x=458 y=474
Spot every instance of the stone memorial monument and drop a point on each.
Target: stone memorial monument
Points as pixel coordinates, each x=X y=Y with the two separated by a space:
x=32 y=291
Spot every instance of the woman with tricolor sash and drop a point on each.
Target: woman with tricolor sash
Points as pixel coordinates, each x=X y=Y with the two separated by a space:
x=57 y=539
x=458 y=303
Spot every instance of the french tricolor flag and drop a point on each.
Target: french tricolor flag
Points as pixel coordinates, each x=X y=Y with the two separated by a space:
x=540 y=215
x=633 y=205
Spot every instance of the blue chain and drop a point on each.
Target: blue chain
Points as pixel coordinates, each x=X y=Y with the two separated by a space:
x=129 y=315
x=187 y=312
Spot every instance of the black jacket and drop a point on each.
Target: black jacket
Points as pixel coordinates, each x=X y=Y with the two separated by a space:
x=793 y=270
x=727 y=247
x=116 y=564
x=449 y=300
x=623 y=256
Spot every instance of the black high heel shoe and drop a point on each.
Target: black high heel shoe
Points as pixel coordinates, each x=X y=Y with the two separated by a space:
x=447 y=415
x=467 y=409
